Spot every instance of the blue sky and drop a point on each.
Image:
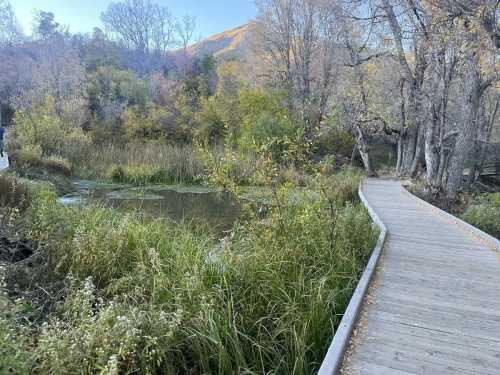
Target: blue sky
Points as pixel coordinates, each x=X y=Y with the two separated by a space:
x=212 y=16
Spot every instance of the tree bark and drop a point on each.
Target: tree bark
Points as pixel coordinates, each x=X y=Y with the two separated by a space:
x=364 y=152
x=465 y=139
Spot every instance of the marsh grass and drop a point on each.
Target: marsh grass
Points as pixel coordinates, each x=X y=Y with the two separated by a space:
x=143 y=295
x=148 y=163
x=136 y=163
x=151 y=162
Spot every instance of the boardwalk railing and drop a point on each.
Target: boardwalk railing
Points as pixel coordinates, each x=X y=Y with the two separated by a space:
x=333 y=360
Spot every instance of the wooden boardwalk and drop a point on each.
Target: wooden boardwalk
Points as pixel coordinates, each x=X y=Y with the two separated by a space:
x=4 y=162
x=433 y=306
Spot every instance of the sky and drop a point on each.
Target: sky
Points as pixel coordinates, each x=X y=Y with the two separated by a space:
x=212 y=16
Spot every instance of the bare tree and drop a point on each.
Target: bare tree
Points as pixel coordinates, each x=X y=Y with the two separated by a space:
x=51 y=69
x=164 y=31
x=141 y=25
x=10 y=29
x=300 y=37
x=185 y=29
x=359 y=115
x=488 y=114
x=411 y=132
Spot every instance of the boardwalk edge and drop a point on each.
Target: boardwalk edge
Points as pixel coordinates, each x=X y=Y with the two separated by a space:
x=6 y=166
x=483 y=237
x=335 y=355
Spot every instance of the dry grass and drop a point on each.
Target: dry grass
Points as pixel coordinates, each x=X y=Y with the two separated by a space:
x=170 y=163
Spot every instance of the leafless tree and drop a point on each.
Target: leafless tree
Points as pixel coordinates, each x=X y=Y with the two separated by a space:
x=446 y=51
x=10 y=29
x=300 y=36
x=141 y=25
x=164 y=31
x=185 y=29
x=51 y=69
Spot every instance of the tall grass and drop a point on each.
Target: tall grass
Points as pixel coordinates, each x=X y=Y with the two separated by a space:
x=148 y=162
x=146 y=296
x=151 y=162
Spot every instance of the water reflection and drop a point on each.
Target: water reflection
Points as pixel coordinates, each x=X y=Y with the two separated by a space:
x=204 y=206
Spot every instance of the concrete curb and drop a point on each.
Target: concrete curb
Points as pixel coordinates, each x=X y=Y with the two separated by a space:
x=481 y=236
x=333 y=359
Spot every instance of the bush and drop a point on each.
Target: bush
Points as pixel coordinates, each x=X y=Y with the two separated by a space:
x=486 y=215
x=208 y=121
x=13 y=193
x=139 y=126
x=265 y=122
x=14 y=339
x=42 y=127
x=29 y=155
x=40 y=138
x=336 y=141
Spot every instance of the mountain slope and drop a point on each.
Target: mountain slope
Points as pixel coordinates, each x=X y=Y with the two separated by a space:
x=234 y=44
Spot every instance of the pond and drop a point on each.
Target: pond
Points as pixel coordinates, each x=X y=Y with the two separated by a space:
x=204 y=206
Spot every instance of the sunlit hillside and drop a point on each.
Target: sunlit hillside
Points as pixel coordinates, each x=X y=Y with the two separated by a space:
x=231 y=44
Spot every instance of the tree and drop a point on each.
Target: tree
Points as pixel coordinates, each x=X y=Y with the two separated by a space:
x=52 y=69
x=163 y=31
x=45 y=26
x=10 y=29
x=185 y=30
x=453 y=45
x=10 y=34
x=141 y=25
x=299 y=36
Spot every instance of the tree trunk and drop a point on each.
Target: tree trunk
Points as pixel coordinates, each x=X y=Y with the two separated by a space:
x=465 y=139
x=400 y=155
x=364 y=152
x=431 y=154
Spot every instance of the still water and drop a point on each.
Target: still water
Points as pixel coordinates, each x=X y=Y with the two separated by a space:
x=203 y=206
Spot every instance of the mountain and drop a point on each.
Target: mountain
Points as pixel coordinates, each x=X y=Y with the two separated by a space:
x=234 y=44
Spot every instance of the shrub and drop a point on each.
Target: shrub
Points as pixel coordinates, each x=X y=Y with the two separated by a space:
x=333 y=140
x=42 y=127
x=209 y=123
x=29 y=159
x=13 y=193
x=30 y=155
x=139 y=126
x=486 y=215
